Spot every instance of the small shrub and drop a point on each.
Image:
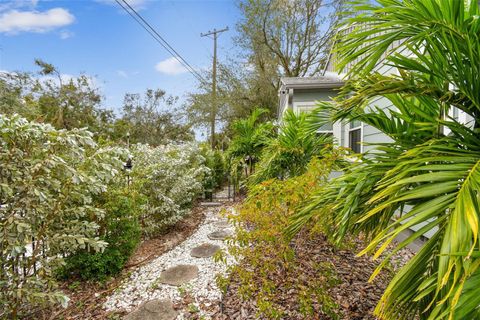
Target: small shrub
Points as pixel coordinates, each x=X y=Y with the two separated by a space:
x=268 y=256
x=222 y=282
x=288 y=154
x=122 y=233
x=215 y=162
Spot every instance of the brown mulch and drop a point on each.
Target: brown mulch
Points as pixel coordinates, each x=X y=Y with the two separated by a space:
x=87 y=298
x=354 y=296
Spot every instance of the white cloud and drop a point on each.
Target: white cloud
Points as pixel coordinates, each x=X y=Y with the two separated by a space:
x=135 y=4
x=15 y=21
x=170 y=66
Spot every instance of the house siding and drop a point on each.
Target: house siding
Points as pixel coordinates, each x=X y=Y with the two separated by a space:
x=308 y=95
x=372 y=135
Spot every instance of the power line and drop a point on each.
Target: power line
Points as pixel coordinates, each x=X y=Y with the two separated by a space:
x=148 y=27
x=145 y=25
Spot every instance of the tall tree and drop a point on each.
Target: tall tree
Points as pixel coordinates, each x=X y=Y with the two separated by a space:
x=238 y=95
x=294 y=36
x=65 y=102
x=152 y=119
x=278 y=38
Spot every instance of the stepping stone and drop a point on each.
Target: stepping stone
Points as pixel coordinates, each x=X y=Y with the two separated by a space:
x=210 y=204
x=178 y=275
x=219 y=235
x=222 y=224
x=153 y=310
x=205 y=250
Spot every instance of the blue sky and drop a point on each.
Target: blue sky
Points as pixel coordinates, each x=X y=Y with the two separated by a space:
x=97 y=38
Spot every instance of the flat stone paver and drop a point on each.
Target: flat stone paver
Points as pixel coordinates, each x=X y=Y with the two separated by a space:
x=222 y=224
x=210 y=204
x=178 y=275
x=153 y=310
x=219 y=235
x=205 y=250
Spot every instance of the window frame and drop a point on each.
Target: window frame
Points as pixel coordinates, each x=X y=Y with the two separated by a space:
x=350 y=130
x=330 y=132
x=298 y=106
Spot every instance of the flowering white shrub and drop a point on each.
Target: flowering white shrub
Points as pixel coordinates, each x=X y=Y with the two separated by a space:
x=51 y=182
x=171 y=177
x=48 y=181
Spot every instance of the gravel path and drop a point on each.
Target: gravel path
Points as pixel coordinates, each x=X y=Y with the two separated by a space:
x=144 y=285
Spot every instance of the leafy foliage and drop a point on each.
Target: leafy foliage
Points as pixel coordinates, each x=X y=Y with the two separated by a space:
x=76 y=102
x=288 y=153
x=215 y=162
x=119 y=227
x=425 y=178
x=48 y=181
x=63 y=195
x=259 y=241
x=145 y=121
x=170 y=177
x=250 y=136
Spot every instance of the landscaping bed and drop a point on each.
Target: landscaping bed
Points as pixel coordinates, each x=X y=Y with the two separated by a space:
x=184 y=277
x=322 y=282
x=88 y=297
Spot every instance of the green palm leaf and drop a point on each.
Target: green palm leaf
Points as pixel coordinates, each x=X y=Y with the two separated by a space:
x=423 y=179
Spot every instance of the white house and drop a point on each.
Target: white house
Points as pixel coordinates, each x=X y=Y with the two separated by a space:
x=302 y=94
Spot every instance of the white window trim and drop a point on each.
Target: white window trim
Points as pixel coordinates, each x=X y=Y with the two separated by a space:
x=325 y=131
x=309 y=104
x=297 y=105
x=335 y=132
x=347 y=138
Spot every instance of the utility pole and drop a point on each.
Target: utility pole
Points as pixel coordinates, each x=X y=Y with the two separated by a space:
x=213 y=112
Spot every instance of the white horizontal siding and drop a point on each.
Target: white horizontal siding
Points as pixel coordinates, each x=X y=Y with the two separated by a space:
x=300 y=96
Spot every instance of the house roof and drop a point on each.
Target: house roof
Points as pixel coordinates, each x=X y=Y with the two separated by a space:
x=330 y=81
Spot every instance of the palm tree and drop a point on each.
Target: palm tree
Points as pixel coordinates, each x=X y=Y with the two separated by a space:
x=249 y=136
x=289 y=153
x=436 y=176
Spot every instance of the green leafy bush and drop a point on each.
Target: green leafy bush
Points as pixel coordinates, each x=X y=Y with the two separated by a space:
x=266 y=254
x=427 y=178
x=289 y=153
x=249 y=137
x=120 y=229
x=215 y=162
x=170 y=177
x=48 y=182
x=218 y=168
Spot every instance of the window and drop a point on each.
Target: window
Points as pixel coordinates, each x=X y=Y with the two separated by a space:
x=326 y=129
x=355 y=136
x=455 y=113
x=305 y=109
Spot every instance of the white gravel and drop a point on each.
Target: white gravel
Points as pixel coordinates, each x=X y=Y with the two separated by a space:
x=143 y=284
